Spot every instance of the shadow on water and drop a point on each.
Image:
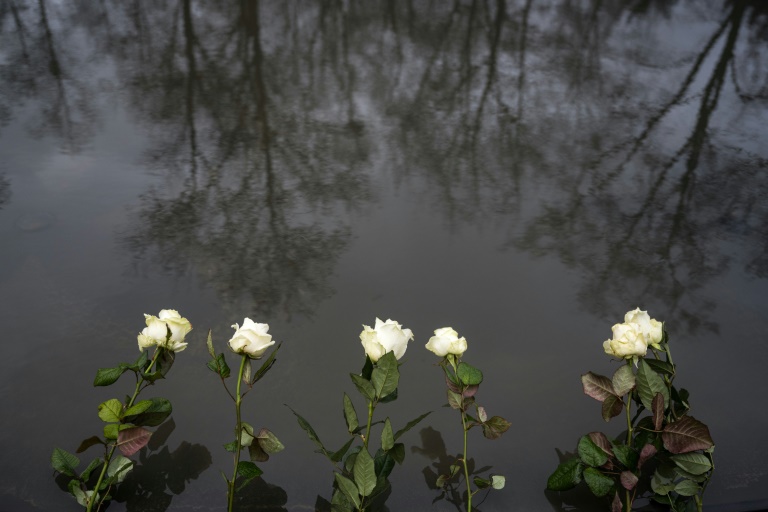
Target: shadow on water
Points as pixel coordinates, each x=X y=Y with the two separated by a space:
x=454 y=491
x=159 y=473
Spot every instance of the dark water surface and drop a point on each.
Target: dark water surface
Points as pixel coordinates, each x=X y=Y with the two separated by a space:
x=524 y=171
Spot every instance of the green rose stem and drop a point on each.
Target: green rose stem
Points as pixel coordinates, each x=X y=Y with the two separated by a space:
x=238 y=434
x=629 y=438
x=464 y=459
x=371 y=407
x=108 y=458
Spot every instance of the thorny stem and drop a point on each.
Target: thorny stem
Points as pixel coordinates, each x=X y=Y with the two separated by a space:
x=371 y=407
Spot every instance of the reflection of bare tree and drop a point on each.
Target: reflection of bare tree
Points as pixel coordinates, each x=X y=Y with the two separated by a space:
x=654 y=240
x=250 y=209
x=38 y=68
x=5 y=191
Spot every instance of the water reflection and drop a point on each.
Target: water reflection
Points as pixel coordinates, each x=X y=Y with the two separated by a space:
x=41 y=68
x=5 y=191
x=253 y=195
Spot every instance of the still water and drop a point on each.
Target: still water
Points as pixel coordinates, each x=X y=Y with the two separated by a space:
x=524 y=171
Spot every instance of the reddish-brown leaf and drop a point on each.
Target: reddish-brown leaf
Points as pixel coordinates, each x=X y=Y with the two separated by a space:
x=686 y=435
x=132 y=440
x=616 y=505
x=646 y=453
x=628 y=480
x=598 y=387
x=602 y=441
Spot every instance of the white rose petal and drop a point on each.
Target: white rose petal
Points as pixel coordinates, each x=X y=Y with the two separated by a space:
x=446 y=341
x=385 y=337
x=251 y=339
x=628 y=341
x=156 y=331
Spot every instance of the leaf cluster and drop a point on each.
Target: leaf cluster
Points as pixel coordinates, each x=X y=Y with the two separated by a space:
x=123 y=430
x=361 y=480
x=666 y=450
x=261 y=444
x=463 y=382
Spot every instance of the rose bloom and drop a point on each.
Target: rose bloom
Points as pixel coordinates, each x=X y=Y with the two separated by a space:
x=385 y=337
x=156 y=331
x=651 y=329
x=628 y=342
x=446 y=341
x=251 y=339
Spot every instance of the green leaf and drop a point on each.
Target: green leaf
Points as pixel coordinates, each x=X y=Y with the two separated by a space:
x=498 y=482
x=623 y=380
x=87 y=471
x=154 y=413
x=363 y=471
x=118 y=468
x=107 y=376
x=612 y=407
x=339 y=454
x=383 y=463
x=64 y=462
x=266 y=365
x=350 y=415
x=598 y=483
x=590 y=453
x=387 y=437
x=304 y=424
x=219 y=366
x=408 y=426
x=598 y=387
x=111 y=410
x=686 y=435
x=246 y=435
x=209 y=344
x=661 y=482
x=687 y=488
x=247 y=469
x=398 y=452
x=231 y=447
x=110 y=431
x=364 y=386
x=141 y=362
x=481 y=483
x=648 y=384
x=566 y=476
x=660 y=366
x=269 y=442
x=694 y=463
x=469 y=375
x=495 y=427
x=389 y=398
x=349 y=488
x=385 y=375
x=626 y=455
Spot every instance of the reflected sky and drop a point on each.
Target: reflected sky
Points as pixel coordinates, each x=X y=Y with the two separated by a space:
x=524 y=171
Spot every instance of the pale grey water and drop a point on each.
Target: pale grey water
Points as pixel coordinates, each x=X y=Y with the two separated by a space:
x=525 y=171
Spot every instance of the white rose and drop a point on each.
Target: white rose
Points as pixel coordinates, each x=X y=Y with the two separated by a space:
x=628 y=341
x=446 y=341
x=156 y=331
x=651 y=329
x=251 y=339
x=385 y=337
